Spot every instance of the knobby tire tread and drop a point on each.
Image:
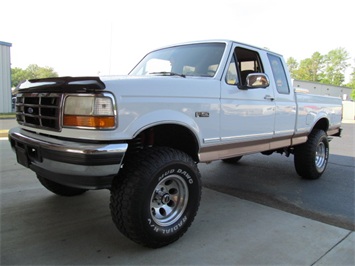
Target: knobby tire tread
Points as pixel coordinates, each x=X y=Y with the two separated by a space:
x=127 y=191
x=305 y=156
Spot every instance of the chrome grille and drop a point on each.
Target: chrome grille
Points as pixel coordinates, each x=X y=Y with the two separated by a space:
x=40 y=110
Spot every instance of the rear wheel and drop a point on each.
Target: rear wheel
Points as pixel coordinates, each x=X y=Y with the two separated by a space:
x=311 y=158
x=60 y=189
x=155 y=197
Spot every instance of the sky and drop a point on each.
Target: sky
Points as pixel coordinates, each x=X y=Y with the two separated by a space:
x=108 y=37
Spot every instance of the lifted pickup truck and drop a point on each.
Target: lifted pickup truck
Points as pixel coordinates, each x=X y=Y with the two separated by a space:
x=142 y=135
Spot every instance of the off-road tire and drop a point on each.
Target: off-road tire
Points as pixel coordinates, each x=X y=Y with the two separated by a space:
x=311 y=158
x=155 y=197
x=60 y=189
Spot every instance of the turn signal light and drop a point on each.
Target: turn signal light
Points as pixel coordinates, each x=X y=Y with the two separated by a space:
x=99 y=122
x=89 y=111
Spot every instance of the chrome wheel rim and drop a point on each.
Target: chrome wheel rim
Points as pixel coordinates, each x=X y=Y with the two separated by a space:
x=169 y=200
x=321 y=157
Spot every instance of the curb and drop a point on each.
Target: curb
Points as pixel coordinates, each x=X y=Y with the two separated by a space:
x=4 y=133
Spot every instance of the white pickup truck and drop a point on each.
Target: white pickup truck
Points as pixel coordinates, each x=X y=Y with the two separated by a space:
x=142 y=135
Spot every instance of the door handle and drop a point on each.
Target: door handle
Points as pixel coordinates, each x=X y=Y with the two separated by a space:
x=268 y=97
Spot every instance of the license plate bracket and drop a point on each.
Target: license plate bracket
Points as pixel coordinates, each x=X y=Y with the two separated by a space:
x=22 y=157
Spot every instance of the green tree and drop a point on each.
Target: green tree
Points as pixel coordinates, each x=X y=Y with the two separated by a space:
x=292 y=66
x=352 y=94
x=328 y=69
x=18 y=75
x=335 y=67
x=310 y=68
x=317 y=66
x=351 y=84
x=304 y=71
x=33 y=71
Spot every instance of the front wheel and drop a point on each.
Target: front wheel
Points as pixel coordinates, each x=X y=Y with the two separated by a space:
x=311 y=158
x=155 y=197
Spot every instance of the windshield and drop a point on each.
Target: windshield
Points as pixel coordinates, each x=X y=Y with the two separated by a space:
x=200 y=60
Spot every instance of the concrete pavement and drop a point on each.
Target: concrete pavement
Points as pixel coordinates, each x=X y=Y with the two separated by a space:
x=5 y=125
x=40 y=228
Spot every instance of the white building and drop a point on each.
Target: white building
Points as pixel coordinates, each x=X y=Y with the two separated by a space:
x=324 y=89
x=5 y=78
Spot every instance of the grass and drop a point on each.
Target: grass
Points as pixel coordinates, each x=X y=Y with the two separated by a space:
x=7 y=115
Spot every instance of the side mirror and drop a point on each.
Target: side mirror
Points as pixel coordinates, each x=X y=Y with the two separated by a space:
x=257 y=80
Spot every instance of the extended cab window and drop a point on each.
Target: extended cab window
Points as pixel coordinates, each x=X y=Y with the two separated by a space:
x=200 y=60
x=279 y=74
x=243 y=62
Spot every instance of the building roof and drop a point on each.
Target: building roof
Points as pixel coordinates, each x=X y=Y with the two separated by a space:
x=5 y=44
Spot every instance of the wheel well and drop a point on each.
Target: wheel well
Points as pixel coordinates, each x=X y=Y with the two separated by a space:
x=169 y=135
x=322 y=124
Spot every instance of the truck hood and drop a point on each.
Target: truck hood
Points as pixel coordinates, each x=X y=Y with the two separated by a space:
x=129 y=86
x=162 y=86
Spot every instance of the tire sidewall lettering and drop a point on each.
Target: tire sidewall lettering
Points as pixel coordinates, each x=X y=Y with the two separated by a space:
x=169 y=230
x=180 y=171
x=186 y=175
x=166 y=173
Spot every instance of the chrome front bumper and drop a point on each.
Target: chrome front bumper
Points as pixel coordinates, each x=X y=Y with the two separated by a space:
x=76 y=164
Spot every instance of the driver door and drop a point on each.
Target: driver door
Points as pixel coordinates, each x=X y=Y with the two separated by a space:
x=247 y=114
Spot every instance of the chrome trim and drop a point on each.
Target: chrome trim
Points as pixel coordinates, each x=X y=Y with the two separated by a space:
x=39 y=110
x=64 y=145
x=211 y=140
x=81 y=165
x=251 y=136
x=77 y=170
x=284 y=132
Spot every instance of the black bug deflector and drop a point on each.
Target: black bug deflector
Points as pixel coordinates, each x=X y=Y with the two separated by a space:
x=39 y=101
x=63 y=84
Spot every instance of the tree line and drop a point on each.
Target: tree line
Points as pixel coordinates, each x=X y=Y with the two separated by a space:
x=33 y=71
x=329 y=69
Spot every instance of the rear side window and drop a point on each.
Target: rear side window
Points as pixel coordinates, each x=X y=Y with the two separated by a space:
x=279 y=74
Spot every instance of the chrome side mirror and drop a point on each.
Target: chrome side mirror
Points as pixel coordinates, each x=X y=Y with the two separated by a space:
x=257 y=80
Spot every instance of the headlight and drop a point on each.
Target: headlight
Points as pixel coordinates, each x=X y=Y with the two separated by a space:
x=89 y=112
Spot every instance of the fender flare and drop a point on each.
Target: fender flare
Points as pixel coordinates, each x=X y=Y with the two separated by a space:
x=165 y=117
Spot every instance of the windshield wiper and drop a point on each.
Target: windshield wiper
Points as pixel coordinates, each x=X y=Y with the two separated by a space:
x=166 y=73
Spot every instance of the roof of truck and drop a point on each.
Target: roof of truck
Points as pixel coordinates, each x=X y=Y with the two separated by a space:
x=228 y=41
